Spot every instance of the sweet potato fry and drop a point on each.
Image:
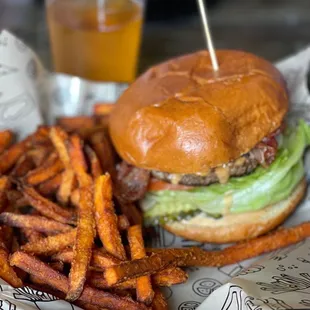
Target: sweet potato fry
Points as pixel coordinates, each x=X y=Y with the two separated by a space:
x=50 y=186
x=66 y=186
x=95 y=166
x=75 y=197
x=106 y=219
x=32 y=235
x=169 y=276
x=99 y=258
x=23 y=165
x=7 y=273
x=47 y=207
x=6 y=137
x=78 y=161
x=6 y=236
x=5 y=185
x=166 y=277
x=144 y=289
x=38 y=223
x=50 y=245
x=56 y=280
x=10 y=156
x=82 y=250
x=16 y=199
x=122 y=222
x=59 y=138
x=159 y=301
x=48 y=170
x=103 y=108
x=39 y=154
x=40 y=137
x=72 y=124
x=104 y=150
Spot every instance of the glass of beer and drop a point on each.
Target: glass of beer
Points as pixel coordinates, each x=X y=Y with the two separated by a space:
x=98 y=40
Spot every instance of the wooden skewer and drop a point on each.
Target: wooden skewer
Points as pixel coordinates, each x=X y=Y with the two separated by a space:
x=206 y=28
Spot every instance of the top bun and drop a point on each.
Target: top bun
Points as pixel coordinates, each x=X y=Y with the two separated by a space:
x=182 y=117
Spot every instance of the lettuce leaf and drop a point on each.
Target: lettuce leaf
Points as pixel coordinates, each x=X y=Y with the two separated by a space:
x=255 y=191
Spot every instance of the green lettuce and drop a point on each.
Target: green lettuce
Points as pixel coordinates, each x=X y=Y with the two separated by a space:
x=255 y=191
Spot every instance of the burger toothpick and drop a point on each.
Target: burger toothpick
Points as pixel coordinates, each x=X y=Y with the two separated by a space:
x=206 y=28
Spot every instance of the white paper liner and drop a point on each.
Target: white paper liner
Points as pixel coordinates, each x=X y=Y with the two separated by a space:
x=280 y=280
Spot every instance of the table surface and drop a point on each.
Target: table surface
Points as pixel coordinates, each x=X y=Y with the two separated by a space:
x=269 y=28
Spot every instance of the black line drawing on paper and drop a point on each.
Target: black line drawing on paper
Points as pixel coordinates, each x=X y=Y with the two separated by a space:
x=303 y=260
x=286 y=283
x=6 y=70
x=204 y=287
x=281 y=254
x=167 y=291
x=16 y=108
x=284 y=268
x=7 y=305
x=231 y=270
x=236 y=298
x=276 y=304
x=1 y=289
x=189 y=305
x=305 y=302
x=251 y=269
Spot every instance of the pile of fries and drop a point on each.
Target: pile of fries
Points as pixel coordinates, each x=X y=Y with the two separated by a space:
x=64 y=230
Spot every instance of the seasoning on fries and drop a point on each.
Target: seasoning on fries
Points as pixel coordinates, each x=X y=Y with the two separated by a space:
x=63 y=222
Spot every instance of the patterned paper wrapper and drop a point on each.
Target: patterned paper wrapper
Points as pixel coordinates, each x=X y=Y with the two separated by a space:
x=30 y=96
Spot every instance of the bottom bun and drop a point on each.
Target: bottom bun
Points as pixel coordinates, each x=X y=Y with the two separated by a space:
x=237 y=227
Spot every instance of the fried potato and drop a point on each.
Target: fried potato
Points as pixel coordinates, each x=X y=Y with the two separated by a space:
x=6 y=138
x=23 y=165
x=5 y=185
x=95 y=166
x=106 y=219
x=82 y=250
x=56 y=280
x=144 y=289
x=159 y=301
x=73 y=124
x=51 y=244
x=66 y=186
x=46 y=206
x=35 y=222
x=103 y=108
x=50 y=186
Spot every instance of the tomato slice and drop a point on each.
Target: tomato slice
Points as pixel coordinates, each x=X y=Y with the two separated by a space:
x=158 y=185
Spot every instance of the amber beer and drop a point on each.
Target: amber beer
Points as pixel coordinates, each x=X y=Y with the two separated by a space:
x=96 y=39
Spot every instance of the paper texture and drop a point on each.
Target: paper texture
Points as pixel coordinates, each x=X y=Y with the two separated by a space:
x=280 y=280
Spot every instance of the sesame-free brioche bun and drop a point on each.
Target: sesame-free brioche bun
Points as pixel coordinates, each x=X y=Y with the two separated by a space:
x=237 y=227
x=181 y=117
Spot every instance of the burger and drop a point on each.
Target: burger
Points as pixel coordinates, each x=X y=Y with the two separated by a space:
x=211 y=152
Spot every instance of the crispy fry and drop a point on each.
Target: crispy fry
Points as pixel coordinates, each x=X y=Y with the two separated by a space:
x=106 y=219
x=122 y=222
x=16 y=199
x=59 y=138
x=169 y=276
x=7 y=273
x=82 y=250
x=60 y=282
x=45 y=172
x=32 y=235
x=75 y=197
x=9 y=157
x=50 y=245
x=166 y=277
x=66 y=186
x=6 y=137
x=50 y=186
x=95 y=166
x=38 y=223
x=40 y=137
x=47 y=207
x=75 y=123
x=5 y=185
x=103 y=108
x=39 y=154
x=78 y=161
x=99 y=258
x=23 y=165
x=144 y=289
x=159 y=301
x=103 y=148
x=6 y=236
